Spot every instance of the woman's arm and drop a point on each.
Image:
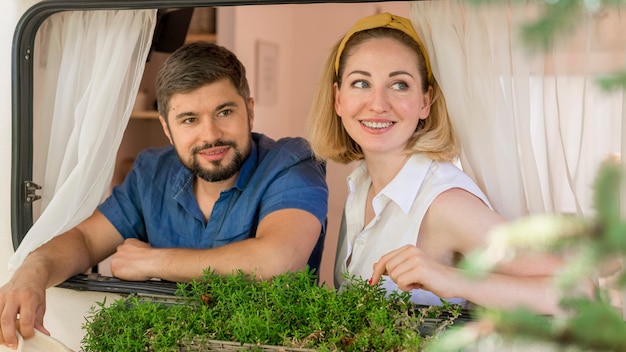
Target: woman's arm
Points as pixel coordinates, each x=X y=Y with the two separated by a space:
x=458 y=222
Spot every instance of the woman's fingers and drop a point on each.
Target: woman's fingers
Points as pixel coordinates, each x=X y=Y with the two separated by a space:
x=389 y=262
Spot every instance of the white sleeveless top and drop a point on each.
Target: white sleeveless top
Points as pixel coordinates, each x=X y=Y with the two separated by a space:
x=399 y=209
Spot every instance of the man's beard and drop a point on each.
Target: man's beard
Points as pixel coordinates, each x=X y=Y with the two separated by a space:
x=221 y=172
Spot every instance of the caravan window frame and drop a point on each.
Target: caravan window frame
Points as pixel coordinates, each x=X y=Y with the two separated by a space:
x=22 y=115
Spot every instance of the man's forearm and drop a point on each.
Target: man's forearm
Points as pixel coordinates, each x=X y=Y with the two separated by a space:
x=249 y=256
x=56 y=260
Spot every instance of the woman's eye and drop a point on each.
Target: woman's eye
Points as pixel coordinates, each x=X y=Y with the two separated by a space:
x=400 y=86
x=360 y=84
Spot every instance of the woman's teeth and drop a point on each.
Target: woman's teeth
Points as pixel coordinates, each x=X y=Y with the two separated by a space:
x=376 y=124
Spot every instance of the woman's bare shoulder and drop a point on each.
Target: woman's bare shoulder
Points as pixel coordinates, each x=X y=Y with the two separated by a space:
x=460 y=220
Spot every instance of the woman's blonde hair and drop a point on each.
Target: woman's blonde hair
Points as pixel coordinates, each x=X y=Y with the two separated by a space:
x=329 y=139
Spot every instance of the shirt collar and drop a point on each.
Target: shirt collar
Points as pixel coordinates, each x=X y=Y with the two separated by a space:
x=404 y=187
x=358 y=176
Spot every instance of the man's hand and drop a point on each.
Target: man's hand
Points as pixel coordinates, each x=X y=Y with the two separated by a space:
x=133 y=261
x=22 y=307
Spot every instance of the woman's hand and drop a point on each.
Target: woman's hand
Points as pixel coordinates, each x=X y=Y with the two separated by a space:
x=411 y=269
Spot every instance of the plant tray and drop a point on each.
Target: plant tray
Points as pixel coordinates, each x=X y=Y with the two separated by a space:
x=429 y=326
x=216 y=345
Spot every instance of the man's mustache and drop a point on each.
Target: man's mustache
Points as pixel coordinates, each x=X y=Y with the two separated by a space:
x=197 y=150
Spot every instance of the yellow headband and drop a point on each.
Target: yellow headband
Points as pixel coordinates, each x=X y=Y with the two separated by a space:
x=385 y=20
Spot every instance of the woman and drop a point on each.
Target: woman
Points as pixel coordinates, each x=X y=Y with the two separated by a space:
x=410 y=214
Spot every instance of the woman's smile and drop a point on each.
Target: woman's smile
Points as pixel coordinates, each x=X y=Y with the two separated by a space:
x=377 y=125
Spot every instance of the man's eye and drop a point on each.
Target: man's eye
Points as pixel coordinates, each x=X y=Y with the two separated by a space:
x=224 y=113
x=189 y=120
x=360 y=84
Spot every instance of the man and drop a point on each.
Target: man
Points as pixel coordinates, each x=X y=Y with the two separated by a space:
x=220 y=197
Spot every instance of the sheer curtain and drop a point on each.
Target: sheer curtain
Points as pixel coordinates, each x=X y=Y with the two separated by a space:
x=534 y=126
x=88 y=67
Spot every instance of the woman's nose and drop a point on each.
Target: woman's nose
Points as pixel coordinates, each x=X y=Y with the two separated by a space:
x=379 y=101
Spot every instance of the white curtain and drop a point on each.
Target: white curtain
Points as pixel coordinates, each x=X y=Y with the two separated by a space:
x=534 y=125
x=87 y=67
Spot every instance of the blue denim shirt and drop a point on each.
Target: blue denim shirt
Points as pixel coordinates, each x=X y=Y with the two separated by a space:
x=156 y=203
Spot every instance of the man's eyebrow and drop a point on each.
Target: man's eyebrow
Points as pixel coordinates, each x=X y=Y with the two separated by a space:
x=227 y=104
x=186 y=114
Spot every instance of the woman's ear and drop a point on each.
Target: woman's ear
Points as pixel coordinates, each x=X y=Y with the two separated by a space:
x=337 y=102
x=427 y=102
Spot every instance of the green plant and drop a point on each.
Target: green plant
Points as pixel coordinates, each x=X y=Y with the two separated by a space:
x=289 y=310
